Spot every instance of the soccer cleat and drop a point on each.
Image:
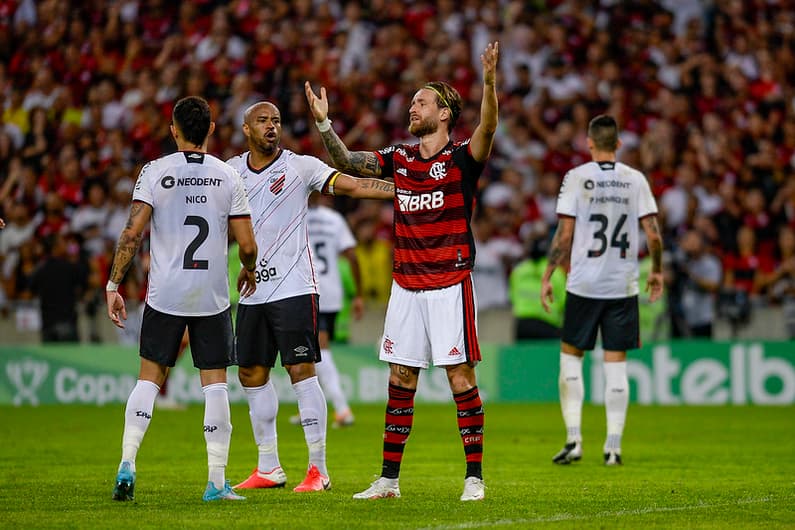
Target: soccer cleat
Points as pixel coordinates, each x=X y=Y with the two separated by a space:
x=474 y=489
x=314 y=481
x=571 y=452
x=226 y=494
x=124 y=490
x=382 y=488
x=344 y=419
x=275 y=478
x=613 y=459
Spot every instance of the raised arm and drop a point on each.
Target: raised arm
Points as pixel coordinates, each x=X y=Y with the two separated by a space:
x=559 y=256
x=362 y=163
x=483 y=137
x=126 y=249
x=654 y=283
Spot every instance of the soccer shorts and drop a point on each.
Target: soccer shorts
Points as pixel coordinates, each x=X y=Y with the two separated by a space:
x=436 y=326
x=325 y=322
x=286 y=327
x=617 y=318
x=211 y=338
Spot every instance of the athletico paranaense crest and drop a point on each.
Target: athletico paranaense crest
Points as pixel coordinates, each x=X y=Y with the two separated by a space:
x=277 y=185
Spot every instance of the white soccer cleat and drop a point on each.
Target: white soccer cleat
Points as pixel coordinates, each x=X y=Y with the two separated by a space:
x=613 y=458
x=571 y=452
x=380 y=489
x=474 y=489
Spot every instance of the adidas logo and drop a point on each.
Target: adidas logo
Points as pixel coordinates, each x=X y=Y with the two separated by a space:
x=454 y=352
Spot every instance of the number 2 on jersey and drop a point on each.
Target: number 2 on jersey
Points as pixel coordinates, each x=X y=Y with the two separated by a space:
x=188 y=261
x=618 y=239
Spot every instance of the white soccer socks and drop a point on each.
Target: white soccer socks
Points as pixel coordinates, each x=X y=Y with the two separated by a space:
x=217 y=431
x=329 y=378
x=312 y=408
x=572 y=393
x=263 y=406
x=616 y=402
x=137 y=416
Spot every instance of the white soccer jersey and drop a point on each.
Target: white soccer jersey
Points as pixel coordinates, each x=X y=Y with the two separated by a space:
x=607 y=199
x=192 y=196
x=329 y=236
x=278 y=196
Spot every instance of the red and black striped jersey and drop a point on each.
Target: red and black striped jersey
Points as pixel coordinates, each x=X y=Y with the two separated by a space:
x=434 y=199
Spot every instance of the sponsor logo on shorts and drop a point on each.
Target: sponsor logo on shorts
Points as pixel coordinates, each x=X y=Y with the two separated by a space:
x=388 y=344
x=454 y=352
x=300 y=351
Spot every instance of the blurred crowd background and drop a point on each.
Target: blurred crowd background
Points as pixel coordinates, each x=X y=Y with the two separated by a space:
x=703 y=92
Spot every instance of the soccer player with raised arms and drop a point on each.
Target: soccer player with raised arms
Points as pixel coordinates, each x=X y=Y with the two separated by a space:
x=597 y=243
x=431 y=315
x=281 y=318
x=193 y=200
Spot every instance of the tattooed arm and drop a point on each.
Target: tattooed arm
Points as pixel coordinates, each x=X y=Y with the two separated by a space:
x=126 y=249
x=362 y=163
x=654 y=283
x=559 y=256
x=359 y=188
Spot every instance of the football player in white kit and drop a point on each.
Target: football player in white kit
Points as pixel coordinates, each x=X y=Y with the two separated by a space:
x=597 y=243
x=193 y=199
x=281 y=318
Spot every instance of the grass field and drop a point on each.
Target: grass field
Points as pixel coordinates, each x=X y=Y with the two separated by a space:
x=708 y=467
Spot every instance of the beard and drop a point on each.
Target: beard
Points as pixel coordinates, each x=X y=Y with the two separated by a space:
x=267 y=147
x=423 y=128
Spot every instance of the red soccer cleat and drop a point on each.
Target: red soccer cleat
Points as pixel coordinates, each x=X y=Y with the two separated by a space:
x=275 y=478
x=314 y=481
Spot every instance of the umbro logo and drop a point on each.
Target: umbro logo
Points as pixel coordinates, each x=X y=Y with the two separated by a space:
x=300 y=351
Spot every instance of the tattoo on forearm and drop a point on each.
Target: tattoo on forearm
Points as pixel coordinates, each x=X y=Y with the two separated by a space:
x=125 y=253
x=378 y=185
x=559 y=252
x=128 y=244
x=339 y=154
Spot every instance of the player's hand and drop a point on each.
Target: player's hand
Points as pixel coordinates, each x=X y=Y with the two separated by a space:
x=357 y=307
x=2 y=223
x=246 y=283
x=654 y=286
x=116 y=308
x=318 y=105
x=489 y=61
x=547 y=299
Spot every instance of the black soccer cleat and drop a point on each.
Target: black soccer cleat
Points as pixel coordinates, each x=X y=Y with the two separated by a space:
x=613 y=459
x=571 y=452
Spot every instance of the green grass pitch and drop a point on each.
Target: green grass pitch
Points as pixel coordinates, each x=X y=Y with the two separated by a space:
x=685 y=467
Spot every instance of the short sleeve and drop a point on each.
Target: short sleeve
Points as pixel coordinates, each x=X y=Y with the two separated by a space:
x=384 y=157
x=240 y=207
x=314 y=171
x=143 y=189
x=567 y=197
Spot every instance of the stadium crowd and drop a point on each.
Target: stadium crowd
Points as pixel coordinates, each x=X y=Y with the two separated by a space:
x=702 y=91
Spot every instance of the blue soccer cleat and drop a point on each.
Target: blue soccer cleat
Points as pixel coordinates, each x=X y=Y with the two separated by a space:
x=226 y=494
x=125 y=484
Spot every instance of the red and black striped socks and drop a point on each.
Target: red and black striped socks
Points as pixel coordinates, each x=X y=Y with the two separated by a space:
x=397 y=427
x=470 y=425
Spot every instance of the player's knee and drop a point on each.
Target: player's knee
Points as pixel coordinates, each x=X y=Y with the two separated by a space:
x=251 y=376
